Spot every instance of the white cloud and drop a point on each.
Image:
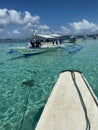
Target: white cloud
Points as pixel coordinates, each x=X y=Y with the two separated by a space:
x=25 y=24
x=81 y=27
x=13 y=18
x=44 y=27
x=29 y=25
x=65 y=30
x=84 y=27
x=8 y=17
x=30 y=28
x=15 y=32
x=29 y=18
x=3 y=13
x=3 y=18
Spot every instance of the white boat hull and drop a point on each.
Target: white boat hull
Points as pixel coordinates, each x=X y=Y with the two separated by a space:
x=30 y=51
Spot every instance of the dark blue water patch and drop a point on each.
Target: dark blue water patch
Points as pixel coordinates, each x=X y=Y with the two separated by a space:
x=31 y=119
x=96 y=92
x=28 y=83
x=37 y=116
x=1 y=63
x=15 y=58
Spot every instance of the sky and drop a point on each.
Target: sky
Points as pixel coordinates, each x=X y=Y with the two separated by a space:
x=23 y=18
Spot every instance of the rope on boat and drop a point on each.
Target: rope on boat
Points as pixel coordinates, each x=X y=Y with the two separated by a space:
x=94 y=98
x=88 y=126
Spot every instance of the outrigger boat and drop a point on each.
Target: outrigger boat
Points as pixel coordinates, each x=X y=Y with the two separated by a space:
x=27 y=51
x=46 y=43
x=40 y=44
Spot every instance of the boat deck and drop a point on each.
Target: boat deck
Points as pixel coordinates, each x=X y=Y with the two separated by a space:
x=72 y=105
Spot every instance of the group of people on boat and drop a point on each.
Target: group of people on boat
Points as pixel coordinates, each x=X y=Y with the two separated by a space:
x=72 y=39
x=56 y=42
x=33 y=44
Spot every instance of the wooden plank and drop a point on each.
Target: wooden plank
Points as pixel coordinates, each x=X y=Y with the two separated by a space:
x=72 y=105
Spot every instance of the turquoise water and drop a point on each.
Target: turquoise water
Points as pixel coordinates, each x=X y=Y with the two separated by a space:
x=26 y=83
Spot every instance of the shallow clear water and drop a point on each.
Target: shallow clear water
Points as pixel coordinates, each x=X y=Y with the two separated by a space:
x=26 y=83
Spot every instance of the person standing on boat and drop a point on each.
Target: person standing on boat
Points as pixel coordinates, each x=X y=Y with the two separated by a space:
x=38 y=43
x=56 y=42
x=32 y=44
x=53 y=42
x=74 y=39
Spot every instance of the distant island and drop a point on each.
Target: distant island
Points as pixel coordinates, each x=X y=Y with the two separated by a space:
x=13 y=40
x=10 y=40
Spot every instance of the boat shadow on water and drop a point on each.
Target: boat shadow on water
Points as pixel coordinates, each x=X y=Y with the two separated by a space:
x=70 y=49
x=24 y=56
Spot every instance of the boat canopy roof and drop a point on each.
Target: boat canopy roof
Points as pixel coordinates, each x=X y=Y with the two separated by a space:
x=51 y=36
x=44 y=36
x=55 y=35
